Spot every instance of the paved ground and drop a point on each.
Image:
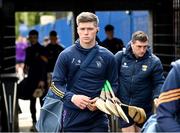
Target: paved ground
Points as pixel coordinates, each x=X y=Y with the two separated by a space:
x=25 y=121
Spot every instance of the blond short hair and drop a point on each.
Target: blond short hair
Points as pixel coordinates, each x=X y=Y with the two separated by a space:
x=87 y=17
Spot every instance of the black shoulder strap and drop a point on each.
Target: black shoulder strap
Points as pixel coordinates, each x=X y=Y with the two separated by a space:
x=89 y=57
x=83 y=65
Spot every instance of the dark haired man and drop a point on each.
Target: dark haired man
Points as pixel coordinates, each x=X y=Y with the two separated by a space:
x=112 y=43
x=35 y=68
x=140 y=77
x=53 y=50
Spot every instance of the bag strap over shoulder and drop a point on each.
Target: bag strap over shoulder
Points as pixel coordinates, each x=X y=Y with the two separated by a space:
x=83 y=65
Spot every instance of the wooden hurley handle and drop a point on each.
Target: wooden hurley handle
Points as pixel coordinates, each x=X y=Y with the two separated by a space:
x=102 y=95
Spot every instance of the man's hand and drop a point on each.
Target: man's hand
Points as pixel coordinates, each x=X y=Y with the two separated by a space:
x=41 y=84
x=91 y=106
x=80 y=101
x=156 y=102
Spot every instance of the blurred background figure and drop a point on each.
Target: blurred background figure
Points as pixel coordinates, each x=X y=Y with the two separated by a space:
x=53 y=49
x=21 y=45
x=35 y=68
x=112 y=43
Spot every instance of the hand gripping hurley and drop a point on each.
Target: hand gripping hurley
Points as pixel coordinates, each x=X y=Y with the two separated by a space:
x=108 y=104
x=100 y=103
x=136 y=113
x=111 y=105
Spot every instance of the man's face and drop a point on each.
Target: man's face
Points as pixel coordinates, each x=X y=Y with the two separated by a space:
x=33 y=39
x=87 y=32
x=110 y=34
x=139 y=48
x=53 y=39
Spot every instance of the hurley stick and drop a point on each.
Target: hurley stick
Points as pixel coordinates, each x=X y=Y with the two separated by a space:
x=118 y=107
x=100 y=103
x=111 y=107
x=136 y=113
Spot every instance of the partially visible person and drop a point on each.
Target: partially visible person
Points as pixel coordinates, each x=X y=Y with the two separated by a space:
x=21 y=45
x=168 y=111
x=112 y=43
x=53 y=50
x=35 y=68
x=80 y=114
x=140 y=77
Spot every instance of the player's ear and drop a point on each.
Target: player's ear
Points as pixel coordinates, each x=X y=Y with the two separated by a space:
x=97 y=30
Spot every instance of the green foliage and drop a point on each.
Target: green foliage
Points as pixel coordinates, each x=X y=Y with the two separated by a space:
x=28 y=18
